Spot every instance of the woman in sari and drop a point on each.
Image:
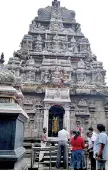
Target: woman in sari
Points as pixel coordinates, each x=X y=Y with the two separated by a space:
x=77 y=154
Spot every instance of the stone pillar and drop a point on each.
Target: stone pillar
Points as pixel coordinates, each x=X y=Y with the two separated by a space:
x=12 y=152
x=12 y=118
x=46 y=116
x=67 y=119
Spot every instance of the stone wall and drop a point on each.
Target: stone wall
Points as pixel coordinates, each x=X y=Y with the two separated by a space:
x=33 y=105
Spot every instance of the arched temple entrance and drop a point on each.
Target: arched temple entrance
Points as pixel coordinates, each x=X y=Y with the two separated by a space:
x=55 y=122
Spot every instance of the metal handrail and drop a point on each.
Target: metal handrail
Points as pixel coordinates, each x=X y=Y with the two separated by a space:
x=38 y=149
x=50 y=149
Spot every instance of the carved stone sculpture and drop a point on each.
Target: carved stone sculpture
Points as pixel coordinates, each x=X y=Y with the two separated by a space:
x=30 y=61
x=81 y=64
x=81 y=78
x=38 y=44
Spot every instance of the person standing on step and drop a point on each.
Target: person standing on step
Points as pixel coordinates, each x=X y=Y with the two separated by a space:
x=78 y=127
x=43 y=143
x=63 y=139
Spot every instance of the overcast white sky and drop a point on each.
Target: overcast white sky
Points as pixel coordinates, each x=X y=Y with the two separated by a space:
x=16 y=15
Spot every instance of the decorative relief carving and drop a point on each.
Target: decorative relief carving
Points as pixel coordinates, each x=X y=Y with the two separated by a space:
x=57 y=77
x=36 y=27
x=98 y=78
x=56 y=25
x=82 y=102
x=81 y=78
x=81 y=64
x=30 y=61
x=60 y=94
x=4 y=100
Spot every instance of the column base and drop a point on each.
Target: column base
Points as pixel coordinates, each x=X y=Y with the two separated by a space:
x=13 y=159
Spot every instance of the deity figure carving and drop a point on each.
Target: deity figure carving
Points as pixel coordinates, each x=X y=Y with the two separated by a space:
x=46 y=75
x=56 y=41
x=84 y=48
x=30 y=61
x=35 y=27
x=81 y=64
x=23 y=77
x=60 y=77
x=98 y=78
x=57 y=93
x=64 y=75
x=73 y=40
x=55 y=25
x=17 y=73
x=56 y=46
x=78 y=28
x=73 y=46
x=81 y=78
x=63 y=45
x=75 y=49
x=70 y=30
x=49 y=47
x=38 y=44
x=56 y=37
x=69 y=60
x=30 y=76
x=27 y=42
x=56 y=73
x=55 y=125
x=40 y=26
x=82 y=102
x=39 y=38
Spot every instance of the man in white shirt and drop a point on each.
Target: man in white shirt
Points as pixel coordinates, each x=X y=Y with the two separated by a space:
x=63 y=138
x=91 y=139
x=94 y=135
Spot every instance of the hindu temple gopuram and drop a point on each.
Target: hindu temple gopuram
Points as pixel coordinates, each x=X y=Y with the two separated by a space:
x=62 y=81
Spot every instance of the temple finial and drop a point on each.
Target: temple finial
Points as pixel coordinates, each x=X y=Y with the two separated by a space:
x=2 y=58
x=56 y=3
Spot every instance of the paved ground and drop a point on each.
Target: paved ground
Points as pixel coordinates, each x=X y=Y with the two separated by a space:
x=53 y=168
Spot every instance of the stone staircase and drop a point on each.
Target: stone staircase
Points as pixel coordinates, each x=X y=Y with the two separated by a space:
x=48 y=163
x=49 y=160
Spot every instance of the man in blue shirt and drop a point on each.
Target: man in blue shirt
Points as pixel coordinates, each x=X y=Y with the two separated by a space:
x=100 y=148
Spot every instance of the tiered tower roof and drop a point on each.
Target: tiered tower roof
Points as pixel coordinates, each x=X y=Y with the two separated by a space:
x=56 y=53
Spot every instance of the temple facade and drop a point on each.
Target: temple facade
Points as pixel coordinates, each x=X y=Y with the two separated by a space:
x=62 y=81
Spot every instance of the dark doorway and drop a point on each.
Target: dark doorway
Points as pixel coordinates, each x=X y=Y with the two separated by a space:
x=55 y=120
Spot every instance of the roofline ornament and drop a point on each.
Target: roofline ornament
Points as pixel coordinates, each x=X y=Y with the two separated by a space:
x=56 y=3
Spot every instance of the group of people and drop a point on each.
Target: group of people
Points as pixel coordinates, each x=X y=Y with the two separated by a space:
x=97 y=148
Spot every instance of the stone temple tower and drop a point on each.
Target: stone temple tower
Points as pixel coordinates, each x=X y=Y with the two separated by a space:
x=62 y=80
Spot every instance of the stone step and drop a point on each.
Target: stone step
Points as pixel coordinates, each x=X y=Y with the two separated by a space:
x=46 y=157
x=48 y=162
x=44 y=167
x=52 y=159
